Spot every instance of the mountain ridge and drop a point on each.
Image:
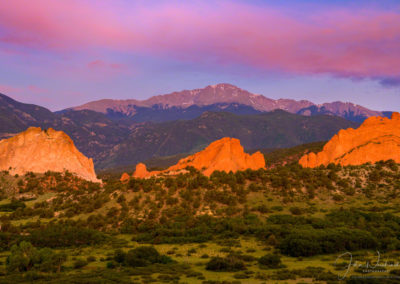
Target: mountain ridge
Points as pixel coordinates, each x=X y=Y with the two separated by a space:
x=225 y=93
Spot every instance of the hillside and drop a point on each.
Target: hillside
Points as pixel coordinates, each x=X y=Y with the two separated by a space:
x=276 y=129
x=92 y=132
x=275 y=225
x=157 y=113
x=16 y=117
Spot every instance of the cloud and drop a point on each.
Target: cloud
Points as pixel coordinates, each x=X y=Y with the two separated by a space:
x=7 y=89
x=354 y=43
x=100 y=64
x=26 y=93
x=390 y=81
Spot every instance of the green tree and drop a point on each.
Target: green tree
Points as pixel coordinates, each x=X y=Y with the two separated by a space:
x=22 y=257
x=25 y=257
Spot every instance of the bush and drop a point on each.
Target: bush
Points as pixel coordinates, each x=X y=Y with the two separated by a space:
x=111 y=264
x=64 y=235
x=79 y=263
x=296 y=210
x=90 y=258
x=323 y=241
x=140 y=256
x=270 y=261
x=337 y=197
x=229 y=263
x=12 y=206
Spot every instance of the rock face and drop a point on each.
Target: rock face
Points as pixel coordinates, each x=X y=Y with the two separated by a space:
x=37 y=150
x=375 y=140
x=225 y=154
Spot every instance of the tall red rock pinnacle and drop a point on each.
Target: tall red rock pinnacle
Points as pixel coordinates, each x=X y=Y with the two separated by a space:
x=376 y=139
x=39 y=151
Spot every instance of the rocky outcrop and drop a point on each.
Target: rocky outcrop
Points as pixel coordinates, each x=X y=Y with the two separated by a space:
x=125 y=177
x=39 y=151
x=376 y=139
x=225 y=154
x=141 y=171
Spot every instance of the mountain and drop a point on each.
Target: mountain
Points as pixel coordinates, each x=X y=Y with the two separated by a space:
x=157 y=113
x=225 y=154
x=92 y=132
x=375 y=140
x=277 y=129
x=118 y=142
x=189 y=104
x=16 y=117
x=349 y=111
x=39 y=151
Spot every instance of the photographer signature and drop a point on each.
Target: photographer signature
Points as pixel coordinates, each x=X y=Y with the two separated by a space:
x=367 y=266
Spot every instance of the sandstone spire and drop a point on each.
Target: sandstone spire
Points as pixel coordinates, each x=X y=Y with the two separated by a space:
x=225 y=154
x=37 y=150
x=376 y=139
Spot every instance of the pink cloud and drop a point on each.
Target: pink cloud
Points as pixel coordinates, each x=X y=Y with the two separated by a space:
x=36 y=90
x=362 y=43
x=9 y=89
x=27 y=90
x=100 y=64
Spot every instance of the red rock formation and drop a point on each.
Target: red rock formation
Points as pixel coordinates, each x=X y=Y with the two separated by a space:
x=375 y=140
x=125 y=177
x=225 y=154
x=37 y=150
x=141 y=171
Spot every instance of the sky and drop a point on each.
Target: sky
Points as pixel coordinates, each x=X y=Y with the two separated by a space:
x=60 y=54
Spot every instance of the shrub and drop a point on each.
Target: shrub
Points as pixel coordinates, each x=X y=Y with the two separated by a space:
x=229 y=263
x=296 y=210
x=90 y=258
x=140 y=256
x=337 y=197
x=79 y=263
x=270 y=261
x=111 y=264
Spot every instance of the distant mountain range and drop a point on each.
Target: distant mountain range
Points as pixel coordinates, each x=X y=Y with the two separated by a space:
x=189 y=104
x=119 y=133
